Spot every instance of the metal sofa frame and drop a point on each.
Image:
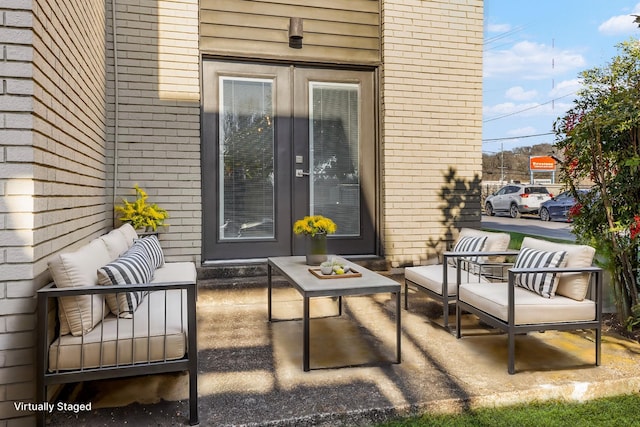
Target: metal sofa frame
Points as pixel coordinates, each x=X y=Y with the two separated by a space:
x=512 y=329
x=48 y=330
x=445 y=299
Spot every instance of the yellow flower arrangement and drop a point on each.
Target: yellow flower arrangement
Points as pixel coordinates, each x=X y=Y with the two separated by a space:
x=312 y=225
x=141 y=214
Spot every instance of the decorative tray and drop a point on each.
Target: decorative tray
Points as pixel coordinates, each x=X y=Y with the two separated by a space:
x=352 y=273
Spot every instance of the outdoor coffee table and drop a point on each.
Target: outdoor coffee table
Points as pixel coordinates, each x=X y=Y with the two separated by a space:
x=296 y=271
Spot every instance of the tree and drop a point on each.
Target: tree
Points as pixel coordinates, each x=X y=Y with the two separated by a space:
x=599 y=139
x=513 y=164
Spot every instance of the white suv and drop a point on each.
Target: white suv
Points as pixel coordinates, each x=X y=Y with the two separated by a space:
x=516 y=199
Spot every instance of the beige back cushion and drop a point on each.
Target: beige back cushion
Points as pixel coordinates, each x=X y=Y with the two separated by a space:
x=128 y=232
x=116 y=243
x=79 y=314
x=571 y=285
x=495 y=241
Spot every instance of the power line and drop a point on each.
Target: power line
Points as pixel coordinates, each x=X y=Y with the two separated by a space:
x=500 y=36
x=527 y=109
x=517 y=137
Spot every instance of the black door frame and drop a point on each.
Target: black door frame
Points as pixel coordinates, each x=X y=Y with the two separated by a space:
x=365 y=242
x=287 y=185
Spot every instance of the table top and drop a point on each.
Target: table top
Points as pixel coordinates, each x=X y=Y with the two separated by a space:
x=296 y=271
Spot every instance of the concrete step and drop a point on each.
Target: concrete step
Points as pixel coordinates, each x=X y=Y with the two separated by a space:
x=254 y=273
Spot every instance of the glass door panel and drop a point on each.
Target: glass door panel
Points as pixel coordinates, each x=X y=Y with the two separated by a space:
x=246 y=149
x=334 y=136
x=334 y=147
x=246 y=164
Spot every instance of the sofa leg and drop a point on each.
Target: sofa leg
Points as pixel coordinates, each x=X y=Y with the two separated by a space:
x=598 y=346
x=458 y=322
x=41 y=396
x=193 y=398
x=512 y=352
x=445 y=314
x=406 y=296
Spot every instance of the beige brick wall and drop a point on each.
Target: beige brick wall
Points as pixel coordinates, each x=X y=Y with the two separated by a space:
x=431 y=124
x=158 y=114
x=52 y=164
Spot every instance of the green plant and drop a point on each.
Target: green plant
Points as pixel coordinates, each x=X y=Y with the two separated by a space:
x=599 y=140
x=633 y=321
x=141 y=214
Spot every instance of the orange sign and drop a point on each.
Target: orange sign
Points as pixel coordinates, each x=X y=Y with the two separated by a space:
x=542 y=163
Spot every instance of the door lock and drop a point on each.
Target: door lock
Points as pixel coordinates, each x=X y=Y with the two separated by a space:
x=300 y=173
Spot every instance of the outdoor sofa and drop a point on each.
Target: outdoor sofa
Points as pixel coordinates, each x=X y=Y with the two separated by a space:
x=480 y=255
x=552 y=286
x=116 y=309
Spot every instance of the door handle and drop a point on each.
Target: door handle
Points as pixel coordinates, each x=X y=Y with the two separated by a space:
x=300 y=173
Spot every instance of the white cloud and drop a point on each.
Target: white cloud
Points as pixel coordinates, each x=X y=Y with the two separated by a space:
x=517 y=93
x=498 y=28
x=620 y=24
x=527 y=130
x=566 y=87
x=509 y=110
x=532 y=61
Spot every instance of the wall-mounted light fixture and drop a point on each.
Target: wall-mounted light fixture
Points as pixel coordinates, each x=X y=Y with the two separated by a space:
x=295 y=33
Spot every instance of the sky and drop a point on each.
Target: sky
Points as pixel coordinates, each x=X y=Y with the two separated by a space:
x=533 y=54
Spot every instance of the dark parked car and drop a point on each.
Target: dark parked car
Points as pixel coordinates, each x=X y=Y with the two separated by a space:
x=558 y=207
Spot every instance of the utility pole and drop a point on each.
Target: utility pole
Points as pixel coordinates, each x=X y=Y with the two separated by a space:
x=502 y=162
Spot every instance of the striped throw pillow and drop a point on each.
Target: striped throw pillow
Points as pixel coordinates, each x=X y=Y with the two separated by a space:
x=133 y=267
x=468 y=244
x=151 y=245
x=544 y=284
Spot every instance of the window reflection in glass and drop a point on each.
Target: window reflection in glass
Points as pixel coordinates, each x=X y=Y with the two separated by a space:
x=334 y=141
x=246 y=159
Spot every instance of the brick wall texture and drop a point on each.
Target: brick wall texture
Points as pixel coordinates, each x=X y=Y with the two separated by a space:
x=58 y=144
x=52 y=167
x=66 y=120
x=156 y=138
x=431 y=124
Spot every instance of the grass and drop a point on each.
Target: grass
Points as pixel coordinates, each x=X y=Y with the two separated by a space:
x=612 y=411
x=516 y=238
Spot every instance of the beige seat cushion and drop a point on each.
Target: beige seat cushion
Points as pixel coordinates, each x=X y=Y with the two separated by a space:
x=572 y=285
x=431 y=277
x=79 y=314
x=175 y=272
x=68 y=352
x=530 y=308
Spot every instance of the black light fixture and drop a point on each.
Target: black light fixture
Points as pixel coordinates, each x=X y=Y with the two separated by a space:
x=295 y=33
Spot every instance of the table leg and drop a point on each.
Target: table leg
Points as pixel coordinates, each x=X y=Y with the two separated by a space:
x=340 y=305
x=398 y=328
x=269 y=288
x=305 y=336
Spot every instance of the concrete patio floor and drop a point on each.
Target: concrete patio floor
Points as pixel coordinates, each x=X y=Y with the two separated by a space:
x=251 y=369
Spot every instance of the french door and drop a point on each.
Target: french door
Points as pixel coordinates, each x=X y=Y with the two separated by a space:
x=282 y=142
